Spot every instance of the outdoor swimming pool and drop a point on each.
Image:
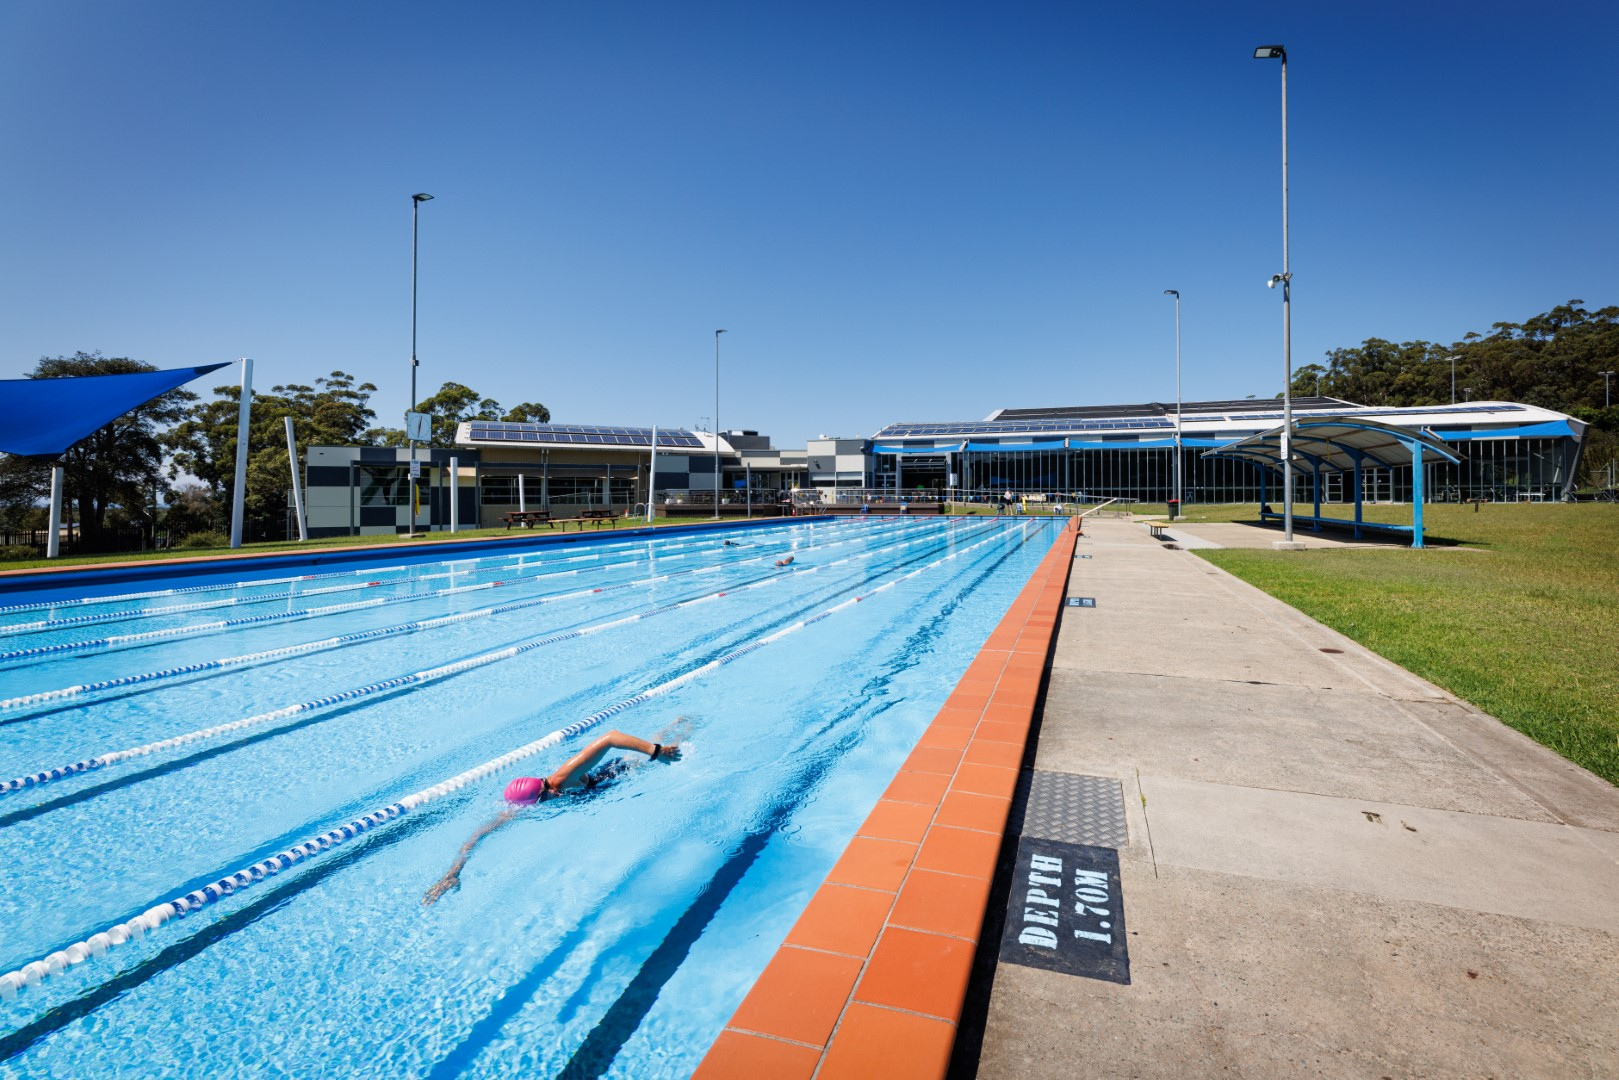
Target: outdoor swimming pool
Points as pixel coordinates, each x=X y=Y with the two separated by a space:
x=370 y=720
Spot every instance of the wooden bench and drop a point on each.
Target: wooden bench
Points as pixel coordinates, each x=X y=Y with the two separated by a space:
x=1159 y=530
x=598 y=516
x=527 y=518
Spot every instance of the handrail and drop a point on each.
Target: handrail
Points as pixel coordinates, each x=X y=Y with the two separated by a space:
x=1097 y=507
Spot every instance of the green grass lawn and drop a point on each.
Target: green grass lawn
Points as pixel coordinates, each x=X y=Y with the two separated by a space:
x=1513 y=607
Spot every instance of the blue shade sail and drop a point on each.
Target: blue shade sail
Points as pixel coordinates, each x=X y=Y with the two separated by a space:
x=44 y=417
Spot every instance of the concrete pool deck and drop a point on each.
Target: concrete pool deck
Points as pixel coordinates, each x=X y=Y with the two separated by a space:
x=1334 y=868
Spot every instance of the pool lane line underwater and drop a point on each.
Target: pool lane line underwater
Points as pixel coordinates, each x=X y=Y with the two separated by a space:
x=607 y=1037
x=137 y=927
x=201 y=629
x=610 y=546
x=44 y=696
x=594 y=1056
x=340 y=707
x=66 y=694
x=384 y=686
x=173 y=765
x=602 y=548
x=67 y=584
x=872 y=977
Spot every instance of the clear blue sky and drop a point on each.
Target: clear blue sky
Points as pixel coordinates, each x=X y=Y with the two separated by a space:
x=899 y=211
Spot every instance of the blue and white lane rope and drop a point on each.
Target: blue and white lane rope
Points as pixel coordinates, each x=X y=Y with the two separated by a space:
x=45 y=776
x=99 y=761
x=120 y=933
x=239 y=601
x=119 y=598
x=606 y=547
x=383 y=686
x=118 y=640
x=64 y=693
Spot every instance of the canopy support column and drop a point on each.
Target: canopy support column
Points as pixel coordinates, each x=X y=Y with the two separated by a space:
x=297 y=488
x=1416 y=495
x=53 y=528
x=1315 y=483
x=244 y=408
x=1359 y=491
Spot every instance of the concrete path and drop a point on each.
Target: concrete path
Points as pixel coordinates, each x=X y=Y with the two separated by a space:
x=1334 y=868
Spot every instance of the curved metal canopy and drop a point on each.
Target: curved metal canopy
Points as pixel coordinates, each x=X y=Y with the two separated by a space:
x=1335 y=442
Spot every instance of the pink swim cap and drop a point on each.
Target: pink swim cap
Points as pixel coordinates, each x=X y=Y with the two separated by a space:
x=525 y=790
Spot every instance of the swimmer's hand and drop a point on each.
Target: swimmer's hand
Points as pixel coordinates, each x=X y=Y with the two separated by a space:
x=669 y=753
x=447 y=883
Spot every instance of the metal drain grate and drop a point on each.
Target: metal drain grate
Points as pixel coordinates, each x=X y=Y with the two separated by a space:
x=1076 y=809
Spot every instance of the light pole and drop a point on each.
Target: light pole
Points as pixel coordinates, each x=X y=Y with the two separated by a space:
x=1176 y=293
x=1606 y=403
x=416 y=201
x=717 y=334
x=1285 y=279
x=1453 y=360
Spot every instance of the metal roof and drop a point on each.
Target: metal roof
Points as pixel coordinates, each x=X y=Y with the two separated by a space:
x=1336 y=441
x=1226 y=420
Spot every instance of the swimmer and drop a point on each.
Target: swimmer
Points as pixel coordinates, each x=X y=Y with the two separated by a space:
x=732 y=543
x=788 y=561
x=575 y=774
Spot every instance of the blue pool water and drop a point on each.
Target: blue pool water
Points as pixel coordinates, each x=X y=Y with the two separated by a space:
x=607 y=934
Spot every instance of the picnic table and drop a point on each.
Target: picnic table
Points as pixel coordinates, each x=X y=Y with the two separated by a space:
x=527 y=518
x=598 y=516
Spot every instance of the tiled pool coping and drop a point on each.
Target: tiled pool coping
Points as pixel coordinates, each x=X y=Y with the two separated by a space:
x=871 y=979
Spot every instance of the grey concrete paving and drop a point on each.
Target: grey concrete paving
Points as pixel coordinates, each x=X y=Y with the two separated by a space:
x=1334 y=868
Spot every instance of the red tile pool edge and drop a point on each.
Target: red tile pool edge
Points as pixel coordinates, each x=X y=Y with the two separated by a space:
x=872 y=977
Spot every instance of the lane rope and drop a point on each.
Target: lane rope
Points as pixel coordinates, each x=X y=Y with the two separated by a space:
x=44 y=696
x=100 y=761
x=98 y=944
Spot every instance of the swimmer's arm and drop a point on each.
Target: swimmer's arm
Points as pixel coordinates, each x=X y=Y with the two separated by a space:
x=572 y=773
x=452 y=879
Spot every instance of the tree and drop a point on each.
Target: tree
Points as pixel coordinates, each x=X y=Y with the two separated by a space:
x=531 y=412
x=117 y=465
x=1552 y=360
x=454 y=405
x=333 y=412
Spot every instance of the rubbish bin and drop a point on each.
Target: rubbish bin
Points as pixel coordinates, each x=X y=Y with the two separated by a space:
x=1174 y=509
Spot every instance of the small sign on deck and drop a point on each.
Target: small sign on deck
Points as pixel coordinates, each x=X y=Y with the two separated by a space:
x=1082 y=601
x=1066 y=911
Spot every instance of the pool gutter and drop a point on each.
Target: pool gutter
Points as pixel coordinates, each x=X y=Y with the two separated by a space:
x=871 y=979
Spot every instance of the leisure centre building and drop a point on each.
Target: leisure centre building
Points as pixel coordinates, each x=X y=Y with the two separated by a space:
x=1503 y=451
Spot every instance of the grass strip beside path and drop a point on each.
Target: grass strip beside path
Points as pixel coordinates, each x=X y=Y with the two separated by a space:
x=1515 y=608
